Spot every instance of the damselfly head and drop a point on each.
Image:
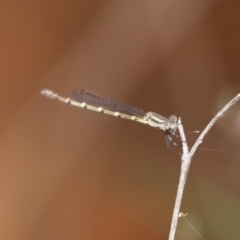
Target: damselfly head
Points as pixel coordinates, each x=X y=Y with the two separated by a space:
x=173 y=122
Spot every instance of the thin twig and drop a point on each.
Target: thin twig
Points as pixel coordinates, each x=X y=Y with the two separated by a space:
x=186 y=161
x=211 y=123
x=183 y=176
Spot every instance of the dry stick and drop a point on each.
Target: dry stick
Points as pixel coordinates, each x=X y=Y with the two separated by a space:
x=211 y=123
x=186 y=159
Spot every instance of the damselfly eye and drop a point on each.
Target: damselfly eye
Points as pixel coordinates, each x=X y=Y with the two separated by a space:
x=173 y=122
x=173 y=119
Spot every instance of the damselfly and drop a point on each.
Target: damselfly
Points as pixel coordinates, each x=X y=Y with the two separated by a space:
x=91 y=101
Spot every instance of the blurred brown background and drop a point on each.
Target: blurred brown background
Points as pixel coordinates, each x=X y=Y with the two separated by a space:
x=68 y=173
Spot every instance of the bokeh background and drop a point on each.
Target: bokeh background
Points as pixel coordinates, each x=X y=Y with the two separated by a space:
x=68 y=173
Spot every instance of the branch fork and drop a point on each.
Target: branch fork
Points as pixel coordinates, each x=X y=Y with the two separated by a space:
x=186 y=159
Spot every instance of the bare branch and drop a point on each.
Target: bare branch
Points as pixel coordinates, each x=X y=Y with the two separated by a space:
x=211 y=123
x=186 y=161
